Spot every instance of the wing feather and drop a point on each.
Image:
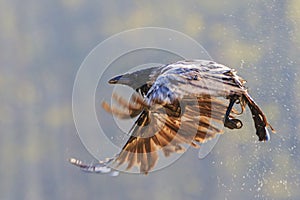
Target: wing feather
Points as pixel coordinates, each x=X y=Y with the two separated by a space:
x=195 y=79
x=198 y=123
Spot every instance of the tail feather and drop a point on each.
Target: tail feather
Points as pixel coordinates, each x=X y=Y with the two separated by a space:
x=259 y=118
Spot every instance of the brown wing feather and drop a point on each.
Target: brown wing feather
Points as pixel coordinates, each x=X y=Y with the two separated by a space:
x=201 y=120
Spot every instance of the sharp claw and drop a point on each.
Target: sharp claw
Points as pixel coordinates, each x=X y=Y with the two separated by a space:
x=233 y=123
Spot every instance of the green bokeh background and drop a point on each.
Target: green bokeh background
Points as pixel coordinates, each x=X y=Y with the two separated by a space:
x=42 y=45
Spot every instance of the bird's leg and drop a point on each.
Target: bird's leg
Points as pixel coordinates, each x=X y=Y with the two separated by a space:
x=231 y=122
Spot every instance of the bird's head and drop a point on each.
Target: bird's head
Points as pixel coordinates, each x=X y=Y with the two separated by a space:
x=121 y=79
x=135 y=79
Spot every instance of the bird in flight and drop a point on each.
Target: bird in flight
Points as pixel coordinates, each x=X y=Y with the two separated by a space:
x=186 y=102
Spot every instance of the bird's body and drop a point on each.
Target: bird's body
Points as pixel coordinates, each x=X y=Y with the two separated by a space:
x=187 y=102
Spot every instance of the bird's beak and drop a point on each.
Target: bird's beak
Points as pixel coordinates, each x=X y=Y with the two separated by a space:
x=119 y=80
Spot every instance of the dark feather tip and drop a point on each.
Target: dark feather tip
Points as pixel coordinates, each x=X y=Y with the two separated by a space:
x=264 y=135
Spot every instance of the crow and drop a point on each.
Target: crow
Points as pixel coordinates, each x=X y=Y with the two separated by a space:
x=186 y=102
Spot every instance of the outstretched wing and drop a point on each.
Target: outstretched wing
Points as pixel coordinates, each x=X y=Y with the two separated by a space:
x=159 y=129
x=164 y=127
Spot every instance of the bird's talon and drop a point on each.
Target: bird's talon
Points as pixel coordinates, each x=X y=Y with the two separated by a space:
x=233 y=123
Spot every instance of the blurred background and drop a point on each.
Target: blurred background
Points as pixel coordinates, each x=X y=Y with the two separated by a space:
x=42 y=46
